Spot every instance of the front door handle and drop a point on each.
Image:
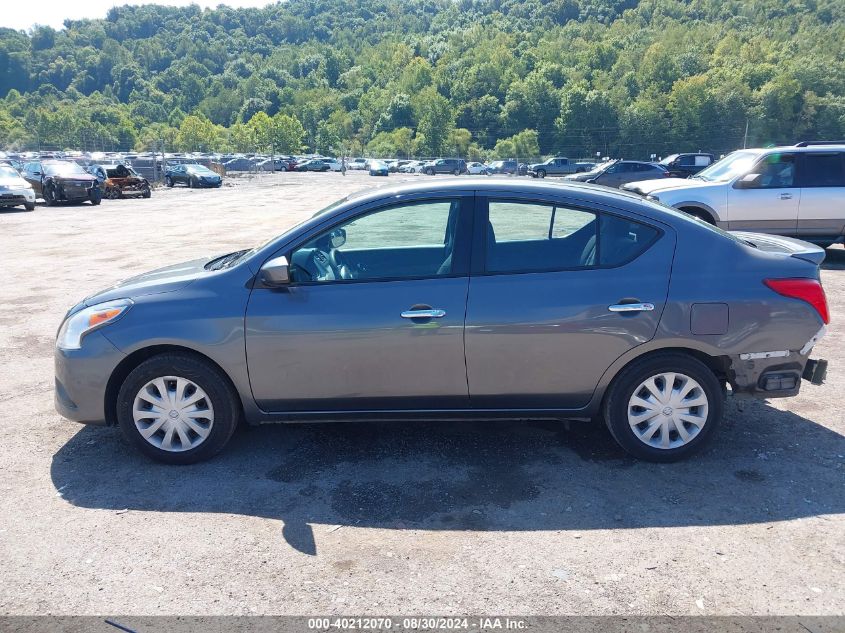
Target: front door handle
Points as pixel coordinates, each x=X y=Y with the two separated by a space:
x=786 y=196
x=631 y=307
x=430 y=313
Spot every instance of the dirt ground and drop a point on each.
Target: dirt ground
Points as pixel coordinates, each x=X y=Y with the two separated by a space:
x=517 y=518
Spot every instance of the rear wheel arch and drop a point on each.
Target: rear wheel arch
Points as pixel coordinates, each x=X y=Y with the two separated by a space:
x=133 y=360
x=719 y=365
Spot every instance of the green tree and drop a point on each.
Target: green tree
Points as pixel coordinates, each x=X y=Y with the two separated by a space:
x=196 y=133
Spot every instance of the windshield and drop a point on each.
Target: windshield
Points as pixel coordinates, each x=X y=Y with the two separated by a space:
x=64 y=169
x=8 y=172
x=601 y=167
x=668 y=159
x=731 y=166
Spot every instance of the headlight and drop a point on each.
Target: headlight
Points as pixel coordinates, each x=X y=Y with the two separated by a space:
x=88 y=319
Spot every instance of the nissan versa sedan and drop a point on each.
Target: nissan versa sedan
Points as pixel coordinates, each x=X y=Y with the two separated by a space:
x=469 y=298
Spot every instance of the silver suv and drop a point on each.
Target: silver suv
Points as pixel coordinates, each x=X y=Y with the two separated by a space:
x=797 y=191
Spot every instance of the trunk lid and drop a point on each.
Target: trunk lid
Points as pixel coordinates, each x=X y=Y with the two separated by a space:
x=788 y=246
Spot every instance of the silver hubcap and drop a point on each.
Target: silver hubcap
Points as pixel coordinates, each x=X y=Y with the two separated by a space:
x=173 y=414
x=667 y=410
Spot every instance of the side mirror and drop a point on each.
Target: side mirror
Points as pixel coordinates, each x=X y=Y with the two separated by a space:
x=276 y=272
x=592 y=180
x=748 y=181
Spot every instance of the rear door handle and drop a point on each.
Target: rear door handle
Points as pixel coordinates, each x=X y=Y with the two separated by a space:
x=786 y=196
x=431 y=313
x=631 y=307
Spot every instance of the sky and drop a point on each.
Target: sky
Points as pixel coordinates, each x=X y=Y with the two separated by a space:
x=16 y=14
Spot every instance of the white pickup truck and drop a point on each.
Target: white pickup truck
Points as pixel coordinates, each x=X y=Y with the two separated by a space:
x=797 y=191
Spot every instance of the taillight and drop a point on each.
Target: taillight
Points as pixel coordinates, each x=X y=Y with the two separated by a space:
x=809 y=290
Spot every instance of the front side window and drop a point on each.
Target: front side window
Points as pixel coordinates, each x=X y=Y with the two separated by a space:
x=410 y=240
x=535 y=237
x=776 y=171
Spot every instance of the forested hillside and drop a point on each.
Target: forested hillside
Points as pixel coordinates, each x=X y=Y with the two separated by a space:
x=432 y=77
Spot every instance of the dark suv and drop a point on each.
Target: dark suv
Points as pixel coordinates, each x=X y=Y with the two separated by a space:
x=456 y=166
x=686 y=165
x=62 y=181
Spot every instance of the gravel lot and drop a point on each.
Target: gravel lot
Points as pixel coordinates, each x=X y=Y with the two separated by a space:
x=518 y=518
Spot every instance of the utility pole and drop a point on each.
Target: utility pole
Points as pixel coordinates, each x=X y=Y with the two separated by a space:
x=745 y=138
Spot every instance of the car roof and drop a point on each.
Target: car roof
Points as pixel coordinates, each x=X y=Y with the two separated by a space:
x=796 y=148
x=597 y=193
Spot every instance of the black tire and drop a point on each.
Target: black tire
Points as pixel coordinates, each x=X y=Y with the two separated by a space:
x=29 y=206
x=698 y=213
x=146 y=193
x=541 y=173
x=190 y=183
x=283 y=168
x=429 y=172
x=168 y=181
x=95 y=197
x=622 y=389
x=49 y=196
x=224 y=402
x=457 y=172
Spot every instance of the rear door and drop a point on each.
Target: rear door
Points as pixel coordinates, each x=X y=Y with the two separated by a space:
x=821 y=213
x=547 y=314
x=770 y=205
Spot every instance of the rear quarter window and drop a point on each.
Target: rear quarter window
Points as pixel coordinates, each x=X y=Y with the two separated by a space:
x=622 y=240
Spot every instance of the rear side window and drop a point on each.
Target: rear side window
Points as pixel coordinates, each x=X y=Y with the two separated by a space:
x=823 y=170
x=622 y=240
x=535 y=237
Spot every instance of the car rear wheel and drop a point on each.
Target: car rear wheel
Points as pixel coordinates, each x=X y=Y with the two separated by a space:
x=457 y=172
x=664 y=408
x=177 y=409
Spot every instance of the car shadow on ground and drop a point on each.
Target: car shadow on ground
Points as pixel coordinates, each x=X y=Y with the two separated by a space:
x=766 y=465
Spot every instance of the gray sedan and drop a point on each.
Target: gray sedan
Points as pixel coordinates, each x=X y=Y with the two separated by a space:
x=467 y=298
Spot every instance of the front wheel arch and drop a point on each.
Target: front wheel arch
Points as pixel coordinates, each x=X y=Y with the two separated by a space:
x=128 y=364
x=700 y=213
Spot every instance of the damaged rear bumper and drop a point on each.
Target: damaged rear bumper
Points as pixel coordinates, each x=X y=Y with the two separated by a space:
x=776 y=374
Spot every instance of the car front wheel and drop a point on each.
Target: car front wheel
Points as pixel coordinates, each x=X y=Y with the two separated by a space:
x=49 y=196
x=541 y=173
x=177 y=409
x=664 y=408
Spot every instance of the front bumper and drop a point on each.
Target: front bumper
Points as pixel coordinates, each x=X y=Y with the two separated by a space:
x=15 y=197
x=81 y=378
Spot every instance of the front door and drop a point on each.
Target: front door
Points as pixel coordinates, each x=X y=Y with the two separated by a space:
x=552 y=309
x=770 y=203
x=373 y=318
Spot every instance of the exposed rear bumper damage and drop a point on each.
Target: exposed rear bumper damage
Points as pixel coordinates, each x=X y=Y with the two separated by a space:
x=776 y=373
